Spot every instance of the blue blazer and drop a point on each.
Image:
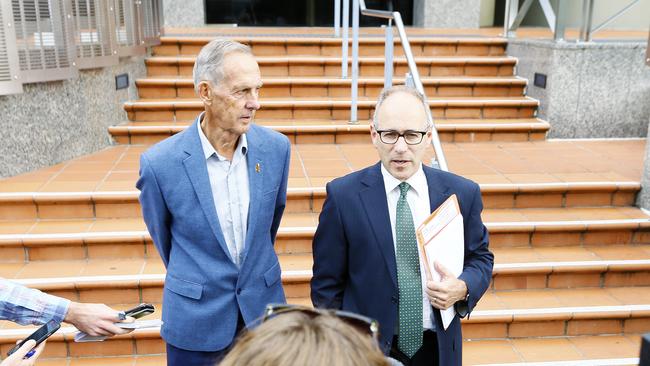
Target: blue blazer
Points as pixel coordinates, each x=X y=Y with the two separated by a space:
x=354 y=256
x=204 y=290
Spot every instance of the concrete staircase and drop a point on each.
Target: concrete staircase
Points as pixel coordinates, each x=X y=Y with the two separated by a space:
x=572 y=272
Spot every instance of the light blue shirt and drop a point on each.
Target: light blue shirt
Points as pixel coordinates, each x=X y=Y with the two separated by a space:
x=230 y=192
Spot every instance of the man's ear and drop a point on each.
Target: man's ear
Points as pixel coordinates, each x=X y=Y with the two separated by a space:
x=373 y=133
x=205 y=92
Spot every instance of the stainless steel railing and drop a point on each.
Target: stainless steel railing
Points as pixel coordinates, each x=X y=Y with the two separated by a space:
x=647 y=52
x=514 y=15
x=412 y=77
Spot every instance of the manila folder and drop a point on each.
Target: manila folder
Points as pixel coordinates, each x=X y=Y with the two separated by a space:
x=442 y=240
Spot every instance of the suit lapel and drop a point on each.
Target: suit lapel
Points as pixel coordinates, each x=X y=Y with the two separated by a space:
x=197 y=171
x=256 y=173
x=376 y=206
x=438 y=192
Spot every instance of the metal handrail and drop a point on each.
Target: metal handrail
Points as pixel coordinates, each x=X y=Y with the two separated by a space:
x=414 y=75
x=647 y=52
x=515 y=15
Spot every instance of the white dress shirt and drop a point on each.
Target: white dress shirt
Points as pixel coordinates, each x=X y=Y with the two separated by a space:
x=230 y=192
x=418 y=200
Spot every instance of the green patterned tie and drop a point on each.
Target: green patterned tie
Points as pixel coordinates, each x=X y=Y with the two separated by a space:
x=408 y=278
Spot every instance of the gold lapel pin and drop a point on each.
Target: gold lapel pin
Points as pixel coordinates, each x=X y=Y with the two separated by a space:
x=257 y=168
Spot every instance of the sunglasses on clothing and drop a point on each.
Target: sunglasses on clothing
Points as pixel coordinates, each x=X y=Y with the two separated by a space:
x=361 y=323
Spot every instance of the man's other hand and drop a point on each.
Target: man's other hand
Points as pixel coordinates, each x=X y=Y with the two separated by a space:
x=444 y=294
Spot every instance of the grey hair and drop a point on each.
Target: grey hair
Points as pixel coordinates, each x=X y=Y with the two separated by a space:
x=387 y=92
x=209 y=63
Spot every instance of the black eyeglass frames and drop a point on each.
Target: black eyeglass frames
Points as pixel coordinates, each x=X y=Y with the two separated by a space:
x=410 y=137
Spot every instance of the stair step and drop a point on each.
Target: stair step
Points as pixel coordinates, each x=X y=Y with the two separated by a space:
x=125 y=204
x=102 y=185
x=331 y=108
x=554 y=351
x=279 y=87
x=499 y=314
x=136 y=280
x=26 y=240
x=142 y=348
x=560 y=312
x=331 y=66
x=342 y=132
x=311 y=46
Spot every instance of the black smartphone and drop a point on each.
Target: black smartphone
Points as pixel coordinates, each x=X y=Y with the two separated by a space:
x=141 y=310
x=39 y=335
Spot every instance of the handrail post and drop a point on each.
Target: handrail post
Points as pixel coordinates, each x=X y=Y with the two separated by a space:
x=587 y=17
x=512 y=8
x=437 y=146
x=355 y=61
x=388 y=55
x=337 y=18
x=561 y=20
x=345 y=41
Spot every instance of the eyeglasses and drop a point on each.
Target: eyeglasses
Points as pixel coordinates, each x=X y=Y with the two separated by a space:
x=410 y=137
x=361 y=323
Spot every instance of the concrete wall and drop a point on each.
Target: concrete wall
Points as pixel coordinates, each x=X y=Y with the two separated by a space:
x=598 y=89
x=186 y=13
x=56 y=121
x=446 y=13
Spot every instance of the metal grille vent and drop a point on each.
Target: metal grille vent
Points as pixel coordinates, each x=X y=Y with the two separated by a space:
x=9 y=80
x=43 y=40
x=150 y=18
x=127 y=28
x=93 y=37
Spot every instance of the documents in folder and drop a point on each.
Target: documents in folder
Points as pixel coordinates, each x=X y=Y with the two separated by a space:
x=442 y=240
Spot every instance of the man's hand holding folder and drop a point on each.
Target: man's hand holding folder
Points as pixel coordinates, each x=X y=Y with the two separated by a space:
x=441 y=237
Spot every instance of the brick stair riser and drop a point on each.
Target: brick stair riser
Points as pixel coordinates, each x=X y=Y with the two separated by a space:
x=475 y=133
x=184 y=113
x=500 y=326
x=60 y=346
x=87 y=207
x=296 y=69
x=307 y=48
x=564 y=326
x=302 y=90
x=134 y=246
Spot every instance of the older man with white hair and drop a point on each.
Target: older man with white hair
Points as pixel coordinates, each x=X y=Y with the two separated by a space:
x=212 y=198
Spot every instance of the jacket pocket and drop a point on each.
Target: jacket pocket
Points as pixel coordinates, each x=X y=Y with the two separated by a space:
x=272 y=275
x=183 y=287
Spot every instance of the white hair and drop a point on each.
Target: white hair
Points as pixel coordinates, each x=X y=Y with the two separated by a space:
x=209 y=63
x=399 y=89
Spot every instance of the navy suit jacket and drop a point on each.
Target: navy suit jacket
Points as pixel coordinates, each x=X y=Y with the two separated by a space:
x=204 y=290
x=354 y=256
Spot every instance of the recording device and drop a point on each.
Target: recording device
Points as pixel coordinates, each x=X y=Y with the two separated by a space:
x=39 y=336
x=139 y=311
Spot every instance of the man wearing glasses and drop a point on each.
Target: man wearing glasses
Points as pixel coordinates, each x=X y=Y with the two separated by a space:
x=366 y=258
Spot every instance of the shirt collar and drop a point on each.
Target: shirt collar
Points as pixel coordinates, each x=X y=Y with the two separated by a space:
x=208 y=149
x=418 y=181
